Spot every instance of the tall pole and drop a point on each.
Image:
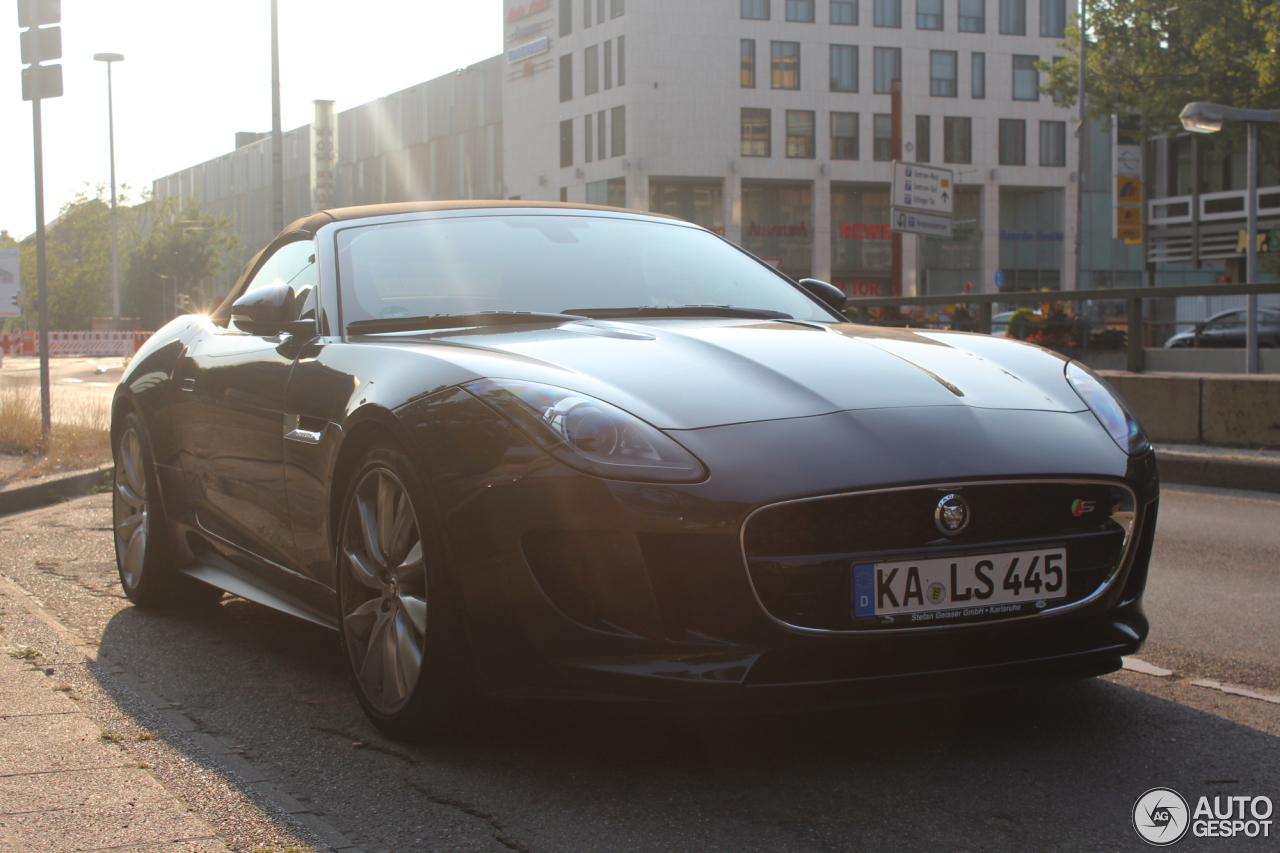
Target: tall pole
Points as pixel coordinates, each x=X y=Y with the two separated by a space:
x=1081 y=137
x=895 y=146
x=115 y=226
x=42 y=283
x=1251 y=256
x=277 y=138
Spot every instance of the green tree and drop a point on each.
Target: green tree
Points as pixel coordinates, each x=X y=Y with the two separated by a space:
x=182 y=246
x=1152 y=57
x=78 y=265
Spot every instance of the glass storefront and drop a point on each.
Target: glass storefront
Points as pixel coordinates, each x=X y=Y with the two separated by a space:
x=950 y=264
x=1031 y=238
x=861 y=240
x=698 y=201
x=611 y=193
x=777 y=224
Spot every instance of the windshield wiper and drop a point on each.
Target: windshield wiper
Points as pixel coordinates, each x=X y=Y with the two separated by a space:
x=680 y=311
x=454 y=321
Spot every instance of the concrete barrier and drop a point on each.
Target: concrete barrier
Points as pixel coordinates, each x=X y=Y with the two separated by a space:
x=1221 y=410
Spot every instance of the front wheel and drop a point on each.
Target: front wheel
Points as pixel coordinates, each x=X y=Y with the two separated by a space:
x=400 y=617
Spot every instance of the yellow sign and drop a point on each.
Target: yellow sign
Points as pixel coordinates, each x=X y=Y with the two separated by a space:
x=1264 y=241
x=1129 y=224
x=1128 y=190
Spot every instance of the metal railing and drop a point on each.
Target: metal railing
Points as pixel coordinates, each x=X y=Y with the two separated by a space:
x=859 y=309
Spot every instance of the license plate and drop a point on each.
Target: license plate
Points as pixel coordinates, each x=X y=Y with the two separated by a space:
x=980 y=585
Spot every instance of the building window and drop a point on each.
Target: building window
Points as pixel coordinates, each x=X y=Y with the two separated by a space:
x=600 y=10
x=588 y=139
x=942 y=73
x=618 y=120
x=978 y=71
x=973 y=16
x=957 y=140
x=608 y=64
x=756 y=10
x=1053 y=143
x=888 y=13
x=617 y=8
x=924 y=148
x=586 y=13
x=844 y=12
x=622 y=60
x=566 y=143
x=564 y=194
x=888 y=67
x=1053 y=18
x=844 y=68
x=882 y=136
x=601 y=126
x=747 y=63
x=844 y=136
x=800 y=11
x=1013 y=142
x=785 y=67
x=1026 y=79
x=566 y=19
x=800 y=134
x=566 y=78
x=928 y=14
x=591 y=70
x=1013 y=17
x=755 y=133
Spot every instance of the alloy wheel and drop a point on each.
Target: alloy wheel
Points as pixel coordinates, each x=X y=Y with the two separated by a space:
x=130 y=508
x=384 y=598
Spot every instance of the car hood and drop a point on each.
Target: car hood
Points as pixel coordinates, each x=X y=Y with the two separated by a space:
x=691 y=374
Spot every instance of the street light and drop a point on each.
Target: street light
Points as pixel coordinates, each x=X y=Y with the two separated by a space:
x=1198 y=117
x=111 y=132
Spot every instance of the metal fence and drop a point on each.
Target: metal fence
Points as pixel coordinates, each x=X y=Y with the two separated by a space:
x=1134 y=324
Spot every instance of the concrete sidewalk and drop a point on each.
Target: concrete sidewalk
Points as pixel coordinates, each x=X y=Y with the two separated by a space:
x=1219 y=467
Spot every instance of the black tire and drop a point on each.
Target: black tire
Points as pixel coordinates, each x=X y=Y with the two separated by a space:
x=145 y=555
x=400 y=616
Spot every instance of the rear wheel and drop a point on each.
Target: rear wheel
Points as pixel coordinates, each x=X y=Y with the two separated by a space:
x=144 y=554
x=400 y=617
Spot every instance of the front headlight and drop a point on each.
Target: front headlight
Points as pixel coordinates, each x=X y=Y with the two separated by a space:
x=589 y=434
x=1107 y=406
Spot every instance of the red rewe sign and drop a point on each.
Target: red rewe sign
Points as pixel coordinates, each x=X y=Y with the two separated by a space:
x=865 y=231
x=528 y=9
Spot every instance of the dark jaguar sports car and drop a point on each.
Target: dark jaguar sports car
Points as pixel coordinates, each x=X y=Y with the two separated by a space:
x=535 y=450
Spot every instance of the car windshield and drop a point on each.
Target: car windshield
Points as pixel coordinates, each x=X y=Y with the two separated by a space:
x=552 y=264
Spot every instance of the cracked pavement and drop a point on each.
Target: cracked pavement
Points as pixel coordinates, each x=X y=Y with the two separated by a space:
x=1048 y=768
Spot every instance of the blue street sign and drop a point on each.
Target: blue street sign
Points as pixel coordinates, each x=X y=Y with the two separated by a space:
x=999 y=279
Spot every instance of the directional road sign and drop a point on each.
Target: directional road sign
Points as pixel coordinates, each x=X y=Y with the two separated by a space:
x=923 y=187
x=915 y=222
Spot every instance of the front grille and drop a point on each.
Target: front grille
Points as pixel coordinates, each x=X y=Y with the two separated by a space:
x=800 y=554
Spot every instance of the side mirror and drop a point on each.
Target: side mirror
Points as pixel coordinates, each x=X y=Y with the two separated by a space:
x=827 y=294
x=264 y=311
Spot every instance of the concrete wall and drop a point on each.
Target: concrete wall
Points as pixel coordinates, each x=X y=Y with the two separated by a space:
x=1225 y=411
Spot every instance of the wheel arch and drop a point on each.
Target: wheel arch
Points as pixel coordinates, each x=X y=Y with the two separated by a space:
x=366 y=428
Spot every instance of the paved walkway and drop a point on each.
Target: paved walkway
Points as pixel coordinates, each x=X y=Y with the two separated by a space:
x=65 y=783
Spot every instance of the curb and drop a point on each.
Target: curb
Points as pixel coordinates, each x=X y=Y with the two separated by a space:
x=1193 y=469
x=42 y=494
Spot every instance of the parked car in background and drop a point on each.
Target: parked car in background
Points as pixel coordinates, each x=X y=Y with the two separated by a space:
x=1228 y=328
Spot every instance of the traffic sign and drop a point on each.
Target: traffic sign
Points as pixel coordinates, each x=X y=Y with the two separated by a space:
x=41 y=45
x=999 y=279
x=41 y=81
x=915 y=222
x=923 y=187
x=37 y=13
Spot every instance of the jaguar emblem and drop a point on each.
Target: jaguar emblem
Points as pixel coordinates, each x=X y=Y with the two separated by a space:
x=952 y=515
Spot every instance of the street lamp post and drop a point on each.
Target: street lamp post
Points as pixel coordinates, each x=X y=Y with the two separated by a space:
x=1200 y=117
x=115 y=232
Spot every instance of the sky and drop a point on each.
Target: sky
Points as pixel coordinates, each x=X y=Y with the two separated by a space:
x=198 y=71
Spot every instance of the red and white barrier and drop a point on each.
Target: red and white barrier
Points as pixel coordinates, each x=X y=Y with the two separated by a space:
x=75 y=343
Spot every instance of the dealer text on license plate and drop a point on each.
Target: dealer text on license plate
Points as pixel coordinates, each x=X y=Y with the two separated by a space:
x=978 y=583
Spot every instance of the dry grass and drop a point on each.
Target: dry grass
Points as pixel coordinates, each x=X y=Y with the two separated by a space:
x=80 y=439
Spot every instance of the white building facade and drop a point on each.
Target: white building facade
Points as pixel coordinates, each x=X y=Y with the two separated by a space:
x=769 y=121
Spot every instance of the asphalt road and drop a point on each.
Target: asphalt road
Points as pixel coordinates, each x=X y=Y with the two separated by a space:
x=1051 y=768
x=81 y=387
